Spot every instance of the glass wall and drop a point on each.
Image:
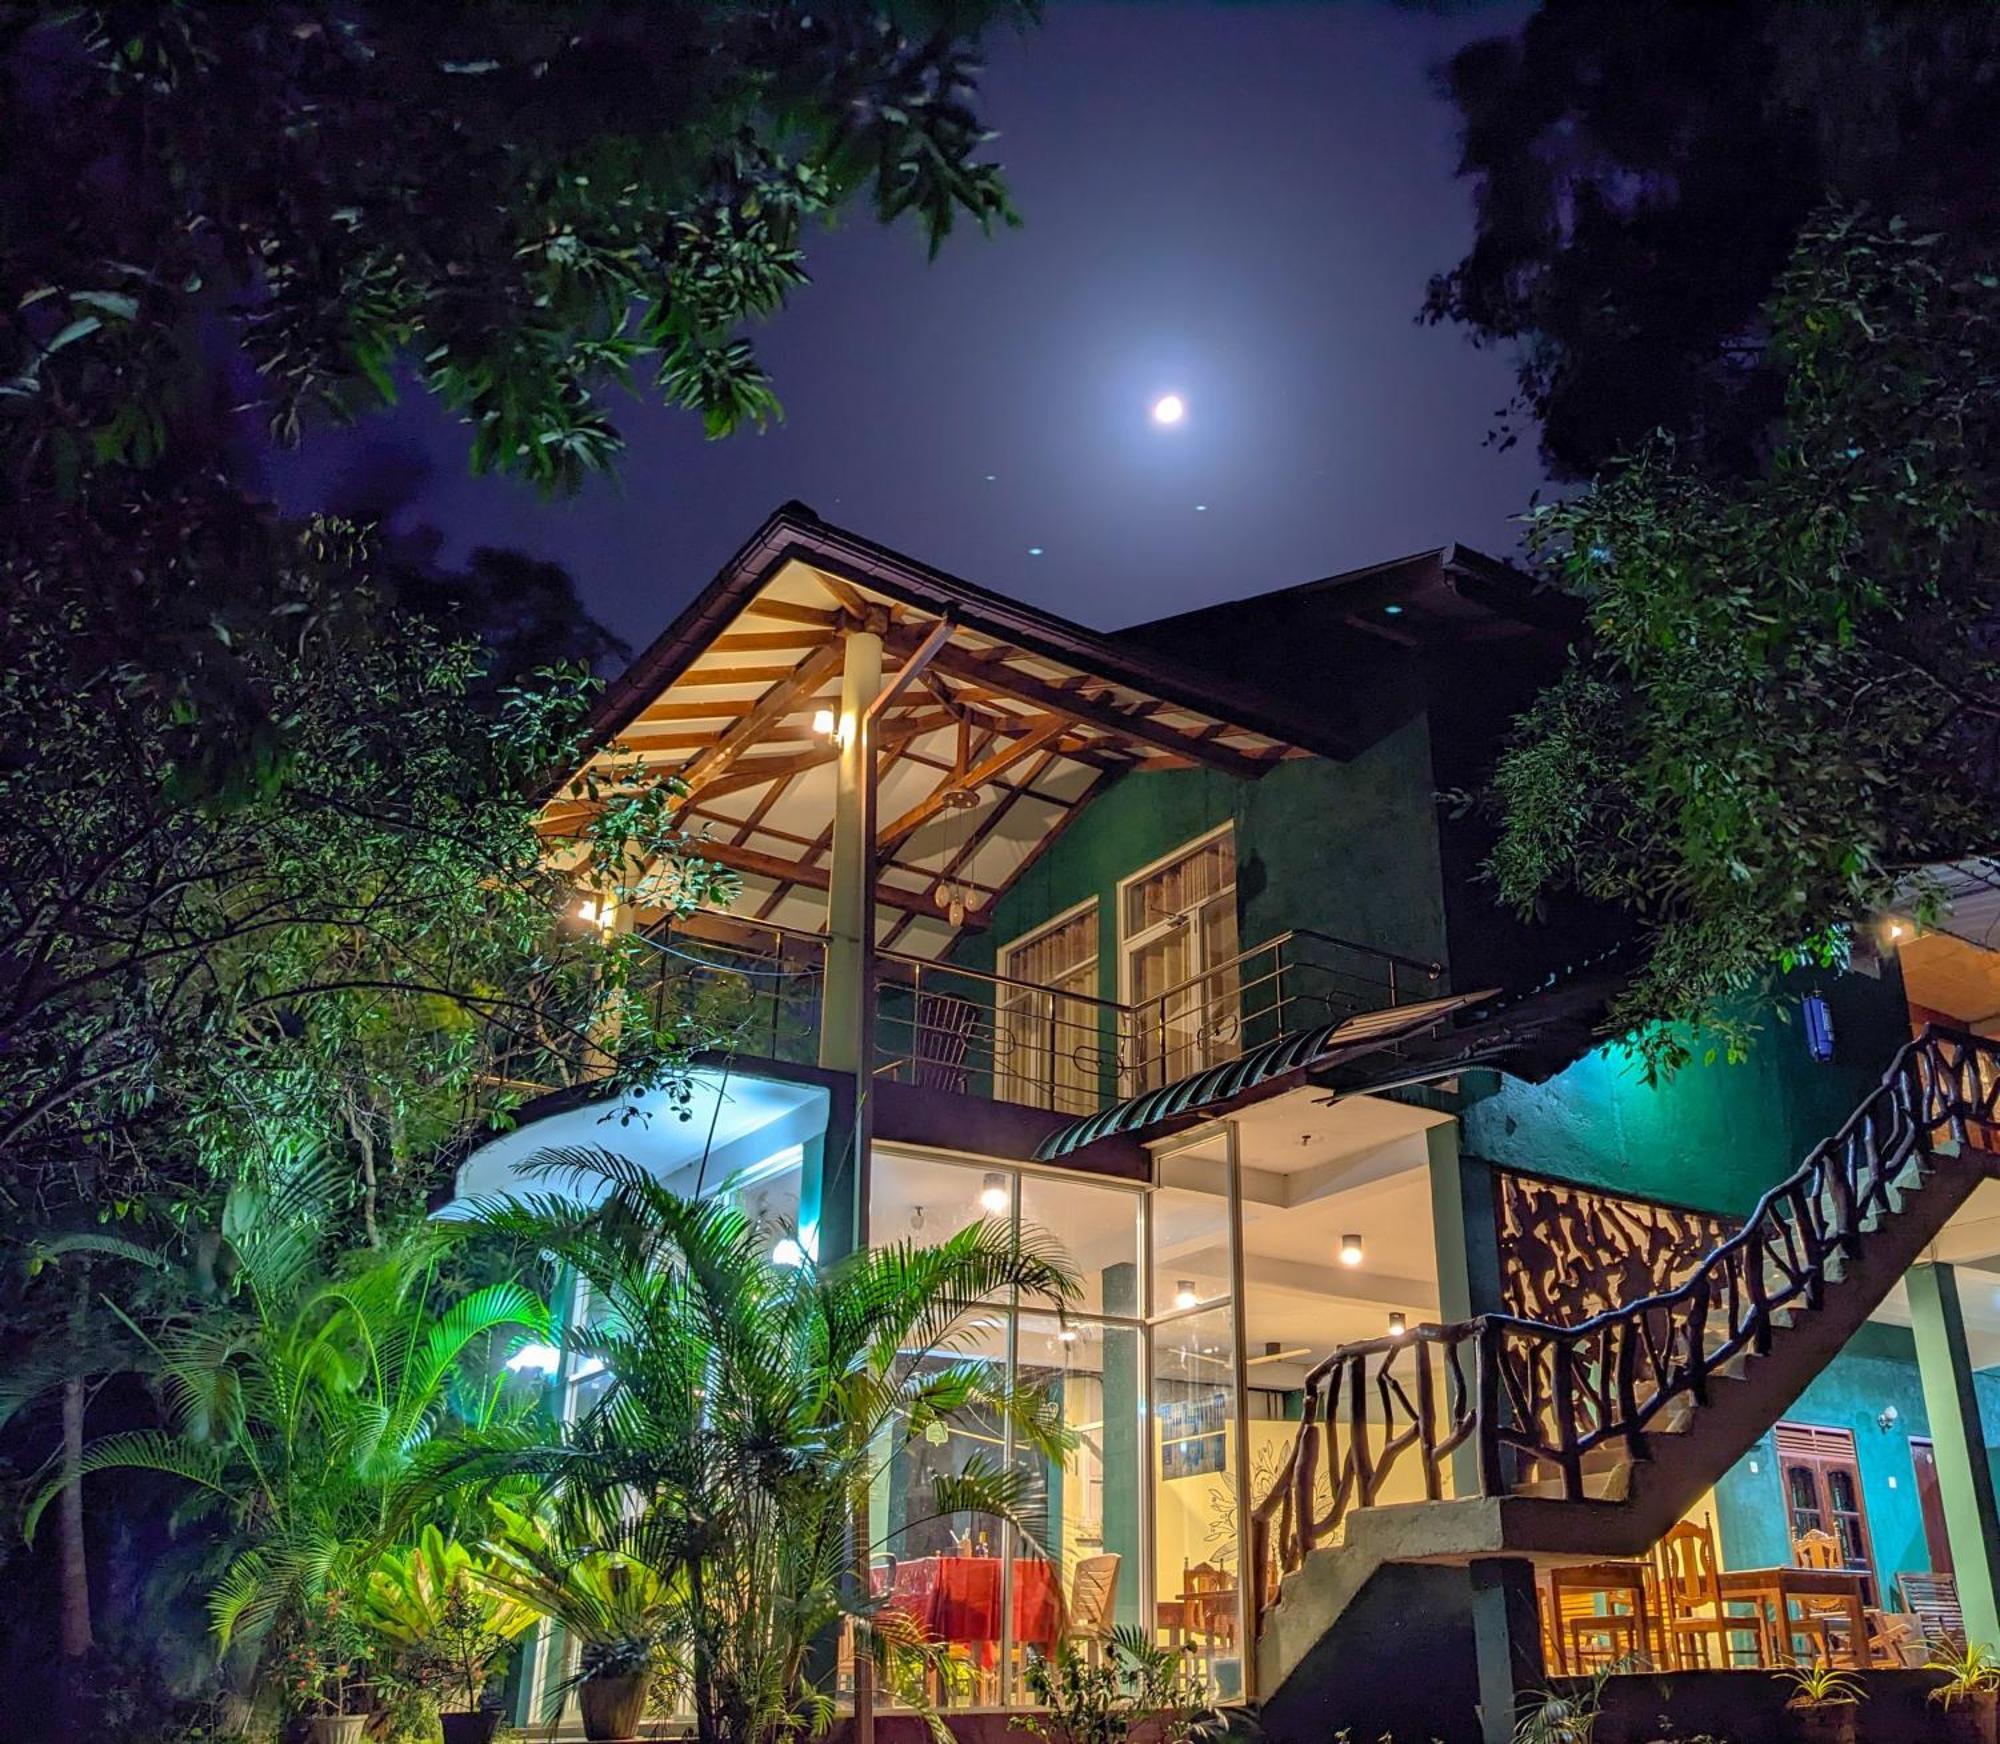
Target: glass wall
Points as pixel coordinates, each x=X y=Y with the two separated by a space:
x=991 y=1594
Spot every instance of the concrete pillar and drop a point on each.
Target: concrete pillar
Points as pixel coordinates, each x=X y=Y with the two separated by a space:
x=1125 y=1444
x=1506 y=1642
x=845 y=998
x=1965 y=1478
x=1467 y=1239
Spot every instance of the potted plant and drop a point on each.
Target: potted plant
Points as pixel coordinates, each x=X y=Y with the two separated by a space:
x=1136 y=1686
x=614 y=1607
x=448 y=1625
x=1969 y=1695
x=321 y=1670
x=1823 y=1703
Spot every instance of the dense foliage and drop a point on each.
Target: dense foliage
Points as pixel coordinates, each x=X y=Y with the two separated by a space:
x=1790 y=701
x=522 y=205
x=1644 y=171
x=750 y=1406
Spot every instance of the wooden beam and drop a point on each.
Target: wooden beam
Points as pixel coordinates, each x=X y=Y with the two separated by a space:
x=1039 y=734
x=795 y=687
x=753 y=770
x=758 y=641
x=912 y=668
x=1002 y=679
x=687 y=711
x=716 y=675
x=788 y=613
x=845 y=593
x=783 y=872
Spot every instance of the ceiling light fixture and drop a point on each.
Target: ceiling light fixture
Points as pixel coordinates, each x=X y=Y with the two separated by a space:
x=1397 y=1326
x=993 y=1195
x=1184 y=1296
x=824 y=723
x=787 y=1252
x=1350 y=1250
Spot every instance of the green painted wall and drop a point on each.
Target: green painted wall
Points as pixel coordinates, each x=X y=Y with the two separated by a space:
x=1713 y=1136
x=1343 y=848
x=1876 y=1370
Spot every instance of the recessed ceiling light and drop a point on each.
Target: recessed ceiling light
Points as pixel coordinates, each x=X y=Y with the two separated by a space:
x=1397 y=1326
x=993 y=1194
x=1350 y=1250
x=1184 y=1296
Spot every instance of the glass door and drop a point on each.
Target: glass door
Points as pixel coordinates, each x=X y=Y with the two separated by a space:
x=1180 y=936
x=1822 y=1483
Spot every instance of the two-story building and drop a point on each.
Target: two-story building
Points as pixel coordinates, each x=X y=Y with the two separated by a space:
x=1406 y=1298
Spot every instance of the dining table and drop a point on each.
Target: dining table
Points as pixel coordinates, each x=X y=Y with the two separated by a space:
x=956 y=1599
x=1818 y=1592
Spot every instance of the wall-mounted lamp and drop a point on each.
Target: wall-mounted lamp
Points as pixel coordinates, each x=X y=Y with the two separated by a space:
x=1184 y=1296
x=1817 y=1021
x=1887 y=1420
x=993 y=1194
x=1397 y=1326
x=1895 y=930
x=824 y=723
x=1350 y=1250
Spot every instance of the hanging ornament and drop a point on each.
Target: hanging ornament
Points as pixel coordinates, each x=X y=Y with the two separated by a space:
x=954 y=897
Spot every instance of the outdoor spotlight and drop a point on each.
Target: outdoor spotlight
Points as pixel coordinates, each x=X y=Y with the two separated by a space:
x=1397 y=1326
x=1184 y=1296
x=823 y=722
x=1887 y=1420
x=534 y=1359
x=787 y=1252
x=993 y=1195
x=1350 y=1250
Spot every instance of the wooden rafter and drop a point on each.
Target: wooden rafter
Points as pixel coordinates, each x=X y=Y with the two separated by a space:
x=1039 y=733
x=785 y=872
x=765 y=607
x=998 y=677
x=795 y=687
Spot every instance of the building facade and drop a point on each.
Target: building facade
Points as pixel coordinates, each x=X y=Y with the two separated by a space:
x=1167 y=945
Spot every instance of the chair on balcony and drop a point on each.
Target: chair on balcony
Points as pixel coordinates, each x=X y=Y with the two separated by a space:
x=1695 y=1621
x=1933 y=1600
x=944 y=1032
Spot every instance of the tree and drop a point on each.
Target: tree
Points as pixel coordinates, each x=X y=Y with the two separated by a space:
x=1644 y=171
x=748 y=1409
x=301 y=1404
x=1789 y=704
x=519 y=206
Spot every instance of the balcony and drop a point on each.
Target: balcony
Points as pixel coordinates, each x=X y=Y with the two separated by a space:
x=944 y=1027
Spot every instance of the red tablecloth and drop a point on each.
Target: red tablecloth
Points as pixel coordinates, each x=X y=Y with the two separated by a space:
x=957 y=1598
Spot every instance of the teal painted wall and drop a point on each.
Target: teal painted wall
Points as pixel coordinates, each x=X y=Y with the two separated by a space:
x=1714 y=1136
x=1876 y=1370
x=1349 y=849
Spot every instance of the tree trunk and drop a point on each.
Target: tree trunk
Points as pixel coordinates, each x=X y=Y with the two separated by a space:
x=75 y=1614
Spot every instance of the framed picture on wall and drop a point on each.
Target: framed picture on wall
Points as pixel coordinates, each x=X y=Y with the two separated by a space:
x=1194 y=1436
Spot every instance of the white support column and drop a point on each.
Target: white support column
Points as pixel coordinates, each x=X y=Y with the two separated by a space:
x=845 y=998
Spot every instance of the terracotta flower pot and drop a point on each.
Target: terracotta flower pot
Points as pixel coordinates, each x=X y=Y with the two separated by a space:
x=336 y=1728
x=1970 y=1720
x=612 y=1706
x=1830 y=1723
x=470 y=1726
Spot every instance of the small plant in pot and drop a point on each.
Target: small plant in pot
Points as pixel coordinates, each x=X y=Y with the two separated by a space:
x=616 y=1609
x=1969 y=1695
x=1824 y=1703
x=321 y=1669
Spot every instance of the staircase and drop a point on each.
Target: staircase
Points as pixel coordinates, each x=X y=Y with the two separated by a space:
x=1589 y=1441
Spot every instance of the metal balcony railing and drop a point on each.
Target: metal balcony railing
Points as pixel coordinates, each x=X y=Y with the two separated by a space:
x=948 y=1027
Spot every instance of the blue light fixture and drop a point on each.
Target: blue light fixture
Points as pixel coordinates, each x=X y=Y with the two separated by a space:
x=1818 y=1021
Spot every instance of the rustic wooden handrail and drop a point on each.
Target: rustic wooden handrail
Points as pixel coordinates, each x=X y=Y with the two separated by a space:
x=1534 y=1399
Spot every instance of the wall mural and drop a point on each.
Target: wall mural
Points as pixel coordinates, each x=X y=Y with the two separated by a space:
x=1567 y=1254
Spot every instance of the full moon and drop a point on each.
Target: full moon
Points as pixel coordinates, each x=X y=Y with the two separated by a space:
x=1169 y=409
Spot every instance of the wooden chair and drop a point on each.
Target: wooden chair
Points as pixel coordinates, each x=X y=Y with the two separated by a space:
x=1933 y=1600
x=1208 y=1594
x=1093 y=1598
x=1599 y=1614
x=944 y=1031
x=1691 y=1597
x=1825 y=1620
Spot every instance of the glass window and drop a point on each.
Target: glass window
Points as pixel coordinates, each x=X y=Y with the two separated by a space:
x=1181 y=973
x=1191 y=1236
x=1195 y=1531
x=1050 y=1048
x=1097 y=1229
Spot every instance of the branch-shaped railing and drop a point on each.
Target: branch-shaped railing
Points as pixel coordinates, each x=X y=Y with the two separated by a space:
x=1531 y=1402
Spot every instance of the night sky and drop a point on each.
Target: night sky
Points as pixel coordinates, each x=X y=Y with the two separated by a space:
x=1238 y=203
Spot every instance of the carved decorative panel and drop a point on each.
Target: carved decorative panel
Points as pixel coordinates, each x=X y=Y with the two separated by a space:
x=1567 y=1254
